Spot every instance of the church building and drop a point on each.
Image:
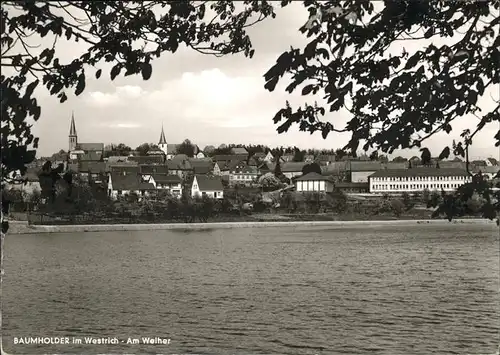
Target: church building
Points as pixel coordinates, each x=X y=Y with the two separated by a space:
x=83 y=151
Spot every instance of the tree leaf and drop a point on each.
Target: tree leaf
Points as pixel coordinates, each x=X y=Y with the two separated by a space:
x=271 y=84
x=445 y=153
x=98 y=73
x=115 y=71
x=307 y=89
x=30 y=88
x=146 y=71
x=80 y=86
x=413 y=60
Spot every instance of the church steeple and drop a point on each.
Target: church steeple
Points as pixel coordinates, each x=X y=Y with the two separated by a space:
x=162 y=137
x=73 y=138
x=72 y=128
x=162 y=144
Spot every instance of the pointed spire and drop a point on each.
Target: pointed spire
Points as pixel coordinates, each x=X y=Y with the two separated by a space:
x=72 y=128
x=162 y=137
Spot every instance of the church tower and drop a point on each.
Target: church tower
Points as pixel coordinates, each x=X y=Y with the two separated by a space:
x=162 y=144
x=73 y=138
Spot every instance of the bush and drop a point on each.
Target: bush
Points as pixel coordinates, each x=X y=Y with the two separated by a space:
x=337 y=201
x=397 y=207
x=269 y=182
x=475 y=204
x=435 y=199
x=426 y=197
x=259 y=206
x=407 y=201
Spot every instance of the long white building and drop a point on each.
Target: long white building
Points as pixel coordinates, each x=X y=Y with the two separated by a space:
x=417 y=180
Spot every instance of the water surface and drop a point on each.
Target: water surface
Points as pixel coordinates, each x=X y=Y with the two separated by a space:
x=298 y=290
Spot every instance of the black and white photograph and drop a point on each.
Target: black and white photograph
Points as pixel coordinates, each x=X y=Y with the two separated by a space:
x=250 y=177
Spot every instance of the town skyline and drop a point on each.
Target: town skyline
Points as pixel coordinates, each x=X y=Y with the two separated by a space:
x=209 y=99
x=407 y=153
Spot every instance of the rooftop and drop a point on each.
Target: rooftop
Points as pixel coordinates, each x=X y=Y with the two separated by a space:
x=314 y=177
x=420 y=172
x=166 y=179
x=209 y=183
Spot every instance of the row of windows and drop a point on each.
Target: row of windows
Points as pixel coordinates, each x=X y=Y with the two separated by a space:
x=243 y=177
x=419 y=178
x=167 y=186
x=415 y=186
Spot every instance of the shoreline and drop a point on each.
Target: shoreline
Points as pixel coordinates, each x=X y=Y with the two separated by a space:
x=17 y=227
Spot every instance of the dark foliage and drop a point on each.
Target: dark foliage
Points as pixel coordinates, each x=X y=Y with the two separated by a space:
x=311 y=168
x=144 y=148
x=129 y=35
x=396 y=101
x=187 y=148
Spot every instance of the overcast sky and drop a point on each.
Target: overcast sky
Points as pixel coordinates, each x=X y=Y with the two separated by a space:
x=206 y=99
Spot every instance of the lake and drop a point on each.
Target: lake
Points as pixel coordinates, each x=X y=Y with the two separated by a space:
x=296 y=290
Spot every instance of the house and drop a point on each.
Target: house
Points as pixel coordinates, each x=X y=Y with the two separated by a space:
x=116 y=159
x=286 y=158
x=202 y=166
x=90 y=156
x=228 y=157
x=325 y=159
x=308 y=158
x=156 y=151
x=94 y=171
x=216 y=169
x=390 y=165
x=181 y=168
x=269 y=157
x=489 y=172
x=314 y=182
x=171 y=183
x=239 y=151
x=292 y=169
x=417 y=180
x=122 y=185
x=243 y=174
x=148 y=159
x=227 y=163
x=266 y=167
x=74 y=167
x=123 y=169
x=146 y=171
x=339 y=170
x=180 y=157
x=207 y=186
x=359 y=171
x=172 y=150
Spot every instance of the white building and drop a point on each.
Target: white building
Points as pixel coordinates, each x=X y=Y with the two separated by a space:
x=269 y=157
x=292 y=169
x=210 y=186
x=125 y=184
x=417 y=180
x=314 y=182
x=170 y=183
